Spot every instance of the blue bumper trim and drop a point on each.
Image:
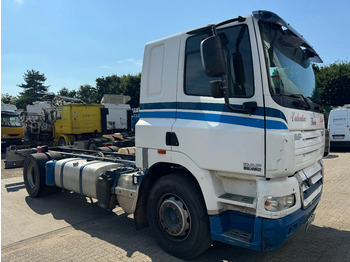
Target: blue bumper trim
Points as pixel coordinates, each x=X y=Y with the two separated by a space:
x=265 y=234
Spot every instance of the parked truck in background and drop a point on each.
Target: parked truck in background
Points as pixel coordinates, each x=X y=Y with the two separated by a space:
x=79 y=122
x=339 y=126
x=12 y=132
x=229 y=143
x=68 y=121
x=119 y=112
x=38 y=120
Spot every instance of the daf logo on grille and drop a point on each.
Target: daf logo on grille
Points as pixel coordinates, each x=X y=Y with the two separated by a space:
x=297 y=137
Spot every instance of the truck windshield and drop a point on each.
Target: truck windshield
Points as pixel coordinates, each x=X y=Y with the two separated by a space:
x=10 y=121
x=291 y=77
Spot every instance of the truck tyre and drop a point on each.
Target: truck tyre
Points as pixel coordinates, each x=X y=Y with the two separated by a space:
x=54 y=155
x=177 y=216
x=93 y=146
x=62 y=141
x=34 y=174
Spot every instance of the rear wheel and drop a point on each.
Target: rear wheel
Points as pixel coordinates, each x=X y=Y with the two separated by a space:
x=62 y=141
x=177 y=216
x=34 y=174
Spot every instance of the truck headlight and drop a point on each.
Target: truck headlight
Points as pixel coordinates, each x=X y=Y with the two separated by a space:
x=275 y=204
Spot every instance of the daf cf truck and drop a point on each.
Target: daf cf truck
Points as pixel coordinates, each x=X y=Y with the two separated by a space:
x=229 y=143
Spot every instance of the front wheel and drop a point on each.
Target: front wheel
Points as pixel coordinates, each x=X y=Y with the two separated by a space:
x=177 y=216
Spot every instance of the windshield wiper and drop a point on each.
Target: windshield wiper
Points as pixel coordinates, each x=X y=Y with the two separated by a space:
x=303 y=97
x=306 y=105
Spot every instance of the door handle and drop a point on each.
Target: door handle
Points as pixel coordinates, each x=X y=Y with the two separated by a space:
x=171 y=139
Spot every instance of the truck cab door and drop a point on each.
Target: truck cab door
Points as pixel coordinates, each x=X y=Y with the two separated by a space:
x=214 y=137
x=157 y=102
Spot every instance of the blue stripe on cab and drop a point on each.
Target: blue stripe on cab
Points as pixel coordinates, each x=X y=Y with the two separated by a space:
x=234 y=120
x=158 y=114
x=217 y=118
x=166 y=105
x=216 y=107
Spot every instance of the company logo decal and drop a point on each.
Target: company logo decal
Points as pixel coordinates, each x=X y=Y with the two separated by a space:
x=298 y=118
x=297 y=137
x=339 y=119
x=313 y=121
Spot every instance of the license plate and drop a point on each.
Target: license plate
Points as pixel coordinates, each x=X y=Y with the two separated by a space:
x=309 y=221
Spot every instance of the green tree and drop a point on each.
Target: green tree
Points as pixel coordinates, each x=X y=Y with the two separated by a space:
x=130 y=84
x=34 y=88
x=88 y=94
x=124 y=85
x=8 y=99
x=337 y=92
x=65 y=92
x=332 y=83
x=108 y=85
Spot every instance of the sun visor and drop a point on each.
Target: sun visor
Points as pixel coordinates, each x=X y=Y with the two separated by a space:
x=269 y=17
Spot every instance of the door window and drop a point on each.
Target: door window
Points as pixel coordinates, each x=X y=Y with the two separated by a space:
x=239 y=75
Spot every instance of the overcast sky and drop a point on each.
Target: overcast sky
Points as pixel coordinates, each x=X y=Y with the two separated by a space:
x=73 y=42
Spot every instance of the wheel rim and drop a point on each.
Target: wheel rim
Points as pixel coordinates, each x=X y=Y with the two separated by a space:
x=31 y=176
x=92 y=147
x=174 y=217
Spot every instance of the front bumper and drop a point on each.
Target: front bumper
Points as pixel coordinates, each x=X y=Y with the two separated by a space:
x=343 y=144
x=258 y=233
x=11 y=142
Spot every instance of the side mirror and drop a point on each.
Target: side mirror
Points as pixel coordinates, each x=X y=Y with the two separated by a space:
x=213 y=57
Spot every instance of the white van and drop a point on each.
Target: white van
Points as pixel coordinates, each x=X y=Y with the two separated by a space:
x=339 y=126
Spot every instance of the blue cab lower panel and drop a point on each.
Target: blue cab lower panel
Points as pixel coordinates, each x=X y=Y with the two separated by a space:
x=249 y=231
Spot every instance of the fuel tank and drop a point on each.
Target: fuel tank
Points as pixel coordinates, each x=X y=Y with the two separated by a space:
x=81 y=175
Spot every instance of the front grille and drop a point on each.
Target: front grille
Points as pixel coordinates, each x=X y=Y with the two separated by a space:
x=13 y=135
x=311 y=183
x=309 y=146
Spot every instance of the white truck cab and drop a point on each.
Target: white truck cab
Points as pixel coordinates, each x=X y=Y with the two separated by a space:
x=247 y=128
